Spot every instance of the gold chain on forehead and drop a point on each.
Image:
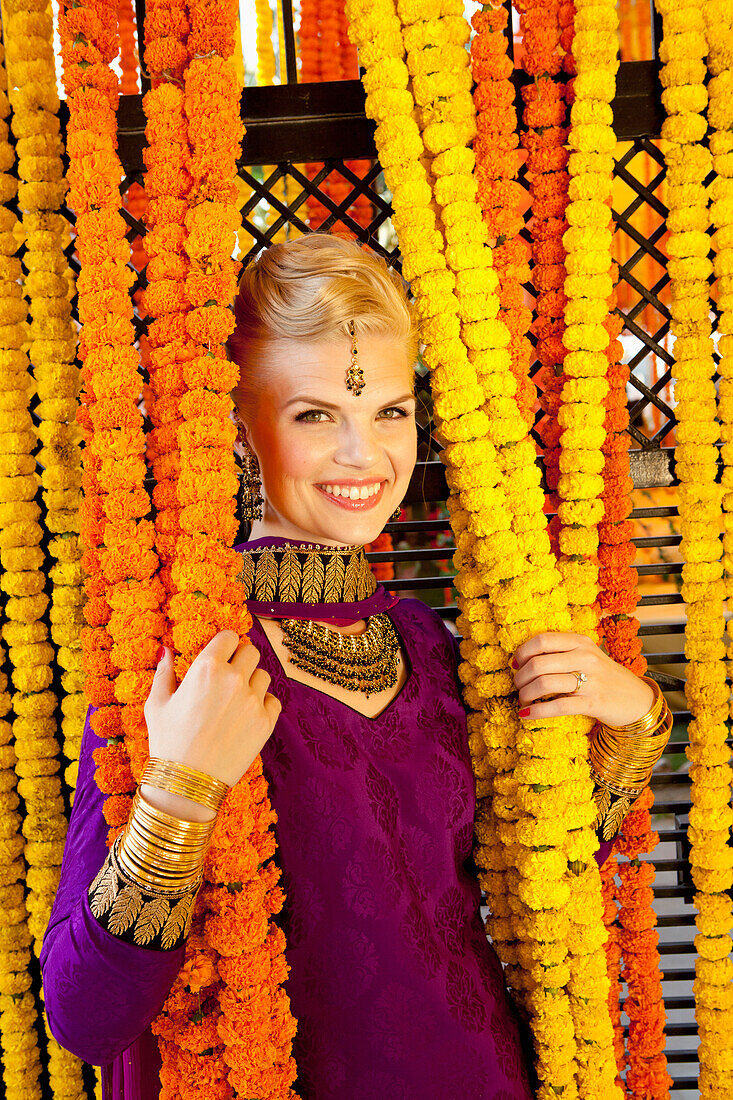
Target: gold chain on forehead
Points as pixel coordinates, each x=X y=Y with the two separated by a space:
x=354 y=375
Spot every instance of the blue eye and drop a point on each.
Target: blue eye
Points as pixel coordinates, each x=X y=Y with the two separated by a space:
x=308 y=416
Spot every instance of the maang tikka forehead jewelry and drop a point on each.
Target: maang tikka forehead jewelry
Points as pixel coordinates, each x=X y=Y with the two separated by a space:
x=354 y=375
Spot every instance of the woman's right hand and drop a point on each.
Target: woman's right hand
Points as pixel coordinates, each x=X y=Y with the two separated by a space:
x=217 y=719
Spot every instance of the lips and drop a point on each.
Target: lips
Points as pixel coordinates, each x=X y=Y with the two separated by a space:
x=358 y=505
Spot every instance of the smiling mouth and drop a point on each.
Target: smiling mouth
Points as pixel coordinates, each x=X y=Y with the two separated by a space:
x=353 y=497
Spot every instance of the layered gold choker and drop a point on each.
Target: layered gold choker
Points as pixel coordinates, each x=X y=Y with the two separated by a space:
x=305 y=577
x=306 y=574
x=364 y=662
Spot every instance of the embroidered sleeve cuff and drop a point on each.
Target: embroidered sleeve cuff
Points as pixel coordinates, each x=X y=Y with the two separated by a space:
x=612 y=807
x=148 y=918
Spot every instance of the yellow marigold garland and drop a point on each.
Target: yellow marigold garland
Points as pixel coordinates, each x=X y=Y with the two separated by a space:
x=514 y=606
x=18 y=1012
x=451 y=322
x=588 y=285
x=23 y=578
x=688 y=161
x=266 y=67
x=715 y=909
x=35 y=751
x=35 y=105
x=266 y=72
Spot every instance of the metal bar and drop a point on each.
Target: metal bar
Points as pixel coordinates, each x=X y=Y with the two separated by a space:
x=313 y=122
x=140 y=20
x=656 y=21
x=291 y=61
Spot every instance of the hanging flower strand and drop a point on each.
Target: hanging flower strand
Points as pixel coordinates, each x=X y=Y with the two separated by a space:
x=434 y=137
x=167 y=184
x=500 y=194
x=232 y=942
x=53 y=342
x=544 y=136
x=123 y=596
x=688 y=162
x=36 y=749
x=18 y=480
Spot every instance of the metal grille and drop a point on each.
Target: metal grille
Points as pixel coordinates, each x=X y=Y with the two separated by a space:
x=291 y=126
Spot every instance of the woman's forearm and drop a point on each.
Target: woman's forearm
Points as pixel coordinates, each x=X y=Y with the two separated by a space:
x=100 y=991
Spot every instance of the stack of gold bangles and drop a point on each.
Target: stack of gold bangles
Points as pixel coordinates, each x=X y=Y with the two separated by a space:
x=161 y=852
x=622 y=758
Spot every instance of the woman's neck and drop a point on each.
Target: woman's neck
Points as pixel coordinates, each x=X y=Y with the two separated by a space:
x=261 y=530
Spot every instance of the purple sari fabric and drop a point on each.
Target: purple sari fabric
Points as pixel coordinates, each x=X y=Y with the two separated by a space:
x=396 y=990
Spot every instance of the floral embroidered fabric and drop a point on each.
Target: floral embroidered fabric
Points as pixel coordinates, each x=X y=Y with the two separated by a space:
x=396 y=990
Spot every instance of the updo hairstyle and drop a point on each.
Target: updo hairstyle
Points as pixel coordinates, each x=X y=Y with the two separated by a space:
x=310 y=289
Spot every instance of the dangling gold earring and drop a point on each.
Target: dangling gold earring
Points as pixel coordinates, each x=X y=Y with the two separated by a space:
x=396 y=515
x=251 y=483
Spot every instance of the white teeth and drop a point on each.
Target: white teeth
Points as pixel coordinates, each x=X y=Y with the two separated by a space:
x=353 y=492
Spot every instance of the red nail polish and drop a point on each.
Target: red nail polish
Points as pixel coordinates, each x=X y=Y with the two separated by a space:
x=160 y=654
x=524 y=712
x=515 y=663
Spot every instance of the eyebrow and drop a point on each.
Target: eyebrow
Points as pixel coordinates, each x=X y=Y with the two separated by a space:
x=325 y=404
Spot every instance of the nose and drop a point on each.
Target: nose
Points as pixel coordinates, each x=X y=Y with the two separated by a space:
x=357 y=446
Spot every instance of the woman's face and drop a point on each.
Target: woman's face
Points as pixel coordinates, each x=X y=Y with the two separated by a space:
x=334 y=466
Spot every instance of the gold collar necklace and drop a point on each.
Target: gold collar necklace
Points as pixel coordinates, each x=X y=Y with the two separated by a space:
x=306 y=576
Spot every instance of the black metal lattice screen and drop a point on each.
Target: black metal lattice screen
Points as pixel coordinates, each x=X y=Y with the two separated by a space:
x=311 y=146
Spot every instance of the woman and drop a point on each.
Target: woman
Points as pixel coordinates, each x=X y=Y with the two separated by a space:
x=396 y=991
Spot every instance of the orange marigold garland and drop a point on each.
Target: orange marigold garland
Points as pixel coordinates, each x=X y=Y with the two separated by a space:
x=499 y=192
x=208 y=1034
x=167 y=348
x=123 y=596
x=544 y=135
x=618 y=597
x=644 y=1059
x=129 y=60
x=646 y=1074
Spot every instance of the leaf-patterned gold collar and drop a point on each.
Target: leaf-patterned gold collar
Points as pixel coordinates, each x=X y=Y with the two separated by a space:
x=301 y=573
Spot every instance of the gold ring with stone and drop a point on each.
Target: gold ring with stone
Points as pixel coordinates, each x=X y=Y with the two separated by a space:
x=581 y=678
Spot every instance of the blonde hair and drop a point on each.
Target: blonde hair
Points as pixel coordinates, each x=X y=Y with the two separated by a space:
x=311 y=288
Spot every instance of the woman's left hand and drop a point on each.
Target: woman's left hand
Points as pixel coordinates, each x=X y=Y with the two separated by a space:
x=545 y=665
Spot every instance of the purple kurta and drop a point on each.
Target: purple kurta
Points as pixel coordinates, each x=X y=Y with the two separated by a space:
x=395 y=987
